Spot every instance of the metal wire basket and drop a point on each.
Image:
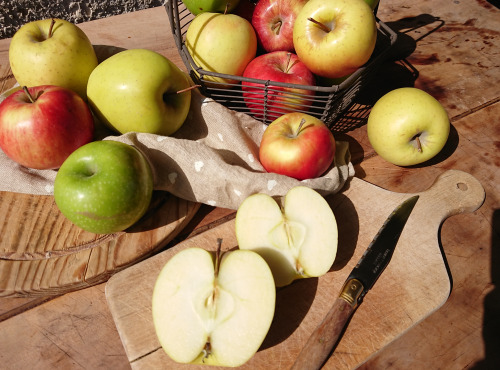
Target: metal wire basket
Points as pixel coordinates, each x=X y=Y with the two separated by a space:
x=327 y=103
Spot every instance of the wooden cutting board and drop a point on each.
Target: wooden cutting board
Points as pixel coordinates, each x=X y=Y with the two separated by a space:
x=415 y=283
x=42 y=253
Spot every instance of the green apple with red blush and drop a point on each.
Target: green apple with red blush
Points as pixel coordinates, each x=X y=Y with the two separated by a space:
x=41 y=126
x=297 y=145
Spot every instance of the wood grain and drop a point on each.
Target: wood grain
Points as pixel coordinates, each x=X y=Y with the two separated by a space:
x=43 y=253
x=415 y=283
x=459 y=63
x=322 y=340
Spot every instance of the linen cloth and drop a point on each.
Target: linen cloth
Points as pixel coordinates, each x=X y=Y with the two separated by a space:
x=212 y=159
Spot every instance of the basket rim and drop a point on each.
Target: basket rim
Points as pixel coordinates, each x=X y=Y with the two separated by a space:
x=171 y=7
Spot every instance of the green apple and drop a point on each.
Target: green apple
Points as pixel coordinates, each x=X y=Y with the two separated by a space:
x=104 y=186
x=334 y=38
x=52 y=52
x=221 y=43
x=212 y=309
x=408 y=126
x=140 y=90
x=372 y=3
x=214 y=6
x=297 y=240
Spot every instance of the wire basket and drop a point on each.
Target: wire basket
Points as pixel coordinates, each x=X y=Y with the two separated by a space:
x=327 y=103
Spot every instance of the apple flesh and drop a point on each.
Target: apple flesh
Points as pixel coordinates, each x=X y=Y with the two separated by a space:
x=334 y=38
x=221 y=43
x=140 y=90
x=211 y=309
x=52 y=52
x=408 y=126
x=297 y=240
x=278 y=66
x=42 y=125
x=273 y=22
x=104 y=186
x=297 y=145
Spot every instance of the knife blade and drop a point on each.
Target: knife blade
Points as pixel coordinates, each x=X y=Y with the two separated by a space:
x=361 y=279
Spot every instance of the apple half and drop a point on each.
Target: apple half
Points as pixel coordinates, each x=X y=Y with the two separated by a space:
x=212 y=309
x=297 y=241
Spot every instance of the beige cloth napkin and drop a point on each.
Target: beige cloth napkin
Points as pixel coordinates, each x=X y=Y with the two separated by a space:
x=212 y=159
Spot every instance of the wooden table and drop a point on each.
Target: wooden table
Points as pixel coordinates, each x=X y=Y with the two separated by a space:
x=452 y=47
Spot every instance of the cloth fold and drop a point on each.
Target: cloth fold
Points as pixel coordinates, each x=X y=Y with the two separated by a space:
x=211 y=159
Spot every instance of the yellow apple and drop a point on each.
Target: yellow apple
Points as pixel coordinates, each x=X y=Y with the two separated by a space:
x=52 y=52
x=334 y=38
x=408 y=126
x=140 y=90
x=221 y=43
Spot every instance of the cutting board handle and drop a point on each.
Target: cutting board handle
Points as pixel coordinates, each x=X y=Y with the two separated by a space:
x=453 y=192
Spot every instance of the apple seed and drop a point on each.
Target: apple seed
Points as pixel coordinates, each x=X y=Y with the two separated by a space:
x=207 y=350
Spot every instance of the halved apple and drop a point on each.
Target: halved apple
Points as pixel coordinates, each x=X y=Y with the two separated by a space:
x=297 y=241
x=211 y=309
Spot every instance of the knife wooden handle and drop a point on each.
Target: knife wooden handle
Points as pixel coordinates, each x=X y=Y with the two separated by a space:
x=324 y=337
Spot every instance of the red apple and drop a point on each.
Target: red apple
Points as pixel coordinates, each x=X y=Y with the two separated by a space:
x=41 y=126
x=273 y=22
x=297 y=145
x=283 y=67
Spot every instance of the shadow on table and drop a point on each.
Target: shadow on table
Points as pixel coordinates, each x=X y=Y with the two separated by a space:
x=394 y=73
x=495 y=3
x=491 y=320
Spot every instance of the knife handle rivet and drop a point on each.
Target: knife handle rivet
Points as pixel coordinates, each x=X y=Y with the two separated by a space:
x=351 y=291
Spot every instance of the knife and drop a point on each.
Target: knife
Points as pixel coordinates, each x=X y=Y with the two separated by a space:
x=360 y=280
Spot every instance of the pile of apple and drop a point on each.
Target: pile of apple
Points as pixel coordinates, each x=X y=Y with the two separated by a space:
x=207 y=308
x=303 y=43
x=48 y=123
x=298 y=42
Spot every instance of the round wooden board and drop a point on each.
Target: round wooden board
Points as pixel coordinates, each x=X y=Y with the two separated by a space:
x=43 y=253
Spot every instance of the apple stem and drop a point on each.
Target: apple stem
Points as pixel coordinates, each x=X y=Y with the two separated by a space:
x=302 y=122
x=276 y=27
x=26 y=91
x=227 y=8
x=288 y=65
x=218 y=255
x=319 y=24
x=419 y=144
x=188 y=88
x=51 y=28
